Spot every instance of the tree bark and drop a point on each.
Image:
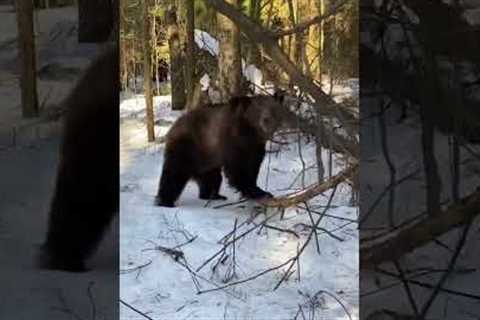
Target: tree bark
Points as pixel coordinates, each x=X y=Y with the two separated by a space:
x=254 y=56
x=155 y=57
x=189 y=59
x=26 y=50
x=124 y=71
x=176 y=61
x=293 y=22
x=321 y=39
x=147 y=71
x=299 y=37
x=229 y=59
x=95 y=20
x=430 y=166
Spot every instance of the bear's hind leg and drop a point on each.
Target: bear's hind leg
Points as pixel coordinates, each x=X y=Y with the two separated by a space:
x=209 y=184
x=172 y=182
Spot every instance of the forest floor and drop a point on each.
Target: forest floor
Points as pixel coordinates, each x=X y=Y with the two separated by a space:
x=154 y=283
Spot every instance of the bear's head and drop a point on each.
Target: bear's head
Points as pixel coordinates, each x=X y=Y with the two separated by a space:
x=262 y=112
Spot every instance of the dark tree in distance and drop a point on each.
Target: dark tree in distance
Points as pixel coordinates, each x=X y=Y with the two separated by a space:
x=189 y=59
x=26 y=50
x=147 y=67
x=177 y=59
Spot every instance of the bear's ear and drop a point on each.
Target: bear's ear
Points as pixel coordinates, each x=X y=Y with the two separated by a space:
x=279 y=96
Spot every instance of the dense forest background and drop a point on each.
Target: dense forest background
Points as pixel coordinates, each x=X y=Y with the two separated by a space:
x=164 y=31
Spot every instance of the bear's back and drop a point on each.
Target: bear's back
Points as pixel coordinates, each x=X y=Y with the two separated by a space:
x=204 y=127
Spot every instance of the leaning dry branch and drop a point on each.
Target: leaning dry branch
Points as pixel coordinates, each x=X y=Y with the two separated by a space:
x=304 y=195
x=259 y=35
x=421 y=233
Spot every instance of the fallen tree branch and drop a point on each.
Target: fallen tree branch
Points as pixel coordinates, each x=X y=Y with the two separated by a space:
x=302 y=196
x=257 y=34
x=421 y=233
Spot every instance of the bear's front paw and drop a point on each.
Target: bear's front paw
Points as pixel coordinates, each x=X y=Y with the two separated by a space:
x=258 y=193
x=213 y=197
x=162 y=203
x=49 y=261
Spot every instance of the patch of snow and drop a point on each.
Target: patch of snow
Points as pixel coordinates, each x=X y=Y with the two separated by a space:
x=163 y=288
x=255 y=76
x=134 y=107
x=205 y=82
x=205 y=41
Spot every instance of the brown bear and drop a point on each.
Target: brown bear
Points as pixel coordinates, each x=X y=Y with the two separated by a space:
x=86 y=194
x=229 y=136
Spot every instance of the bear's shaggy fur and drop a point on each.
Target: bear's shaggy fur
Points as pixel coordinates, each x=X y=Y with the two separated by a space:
x=229 y=136
x=86 y=194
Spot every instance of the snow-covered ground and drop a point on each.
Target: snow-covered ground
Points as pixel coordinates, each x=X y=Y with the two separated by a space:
x=153 y=283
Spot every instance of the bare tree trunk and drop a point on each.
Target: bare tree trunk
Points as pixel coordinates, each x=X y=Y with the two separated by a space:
x=229 y=60
x=270 y=14
x=291 y=38
x=95 y=20
x=432 y=178
x=189 y=59
x=318 y=154
x=134 y=67
x=299 y=37
x=147 y=81
x=389 y=161
x=155 y=56
x=26 y=49
x=124 y=57
x=321 y=39
x=176 y=61
x=254 y=56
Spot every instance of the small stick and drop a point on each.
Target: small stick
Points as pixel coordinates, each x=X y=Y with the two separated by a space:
x=136 y=310
x=230 y=204
x=282 y=230
x=248 y=279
